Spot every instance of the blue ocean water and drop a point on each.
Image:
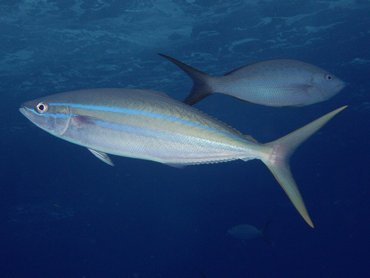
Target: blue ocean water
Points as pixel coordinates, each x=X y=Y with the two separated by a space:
x=64 y=213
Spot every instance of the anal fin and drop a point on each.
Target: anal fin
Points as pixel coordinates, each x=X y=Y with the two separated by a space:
x=174 y=165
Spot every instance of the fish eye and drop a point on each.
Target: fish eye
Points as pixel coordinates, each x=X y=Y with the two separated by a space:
x=42 y=107
x=328 y=77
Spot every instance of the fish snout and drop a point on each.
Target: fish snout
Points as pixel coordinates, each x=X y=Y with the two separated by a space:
x=25 y=111
x=22 y=110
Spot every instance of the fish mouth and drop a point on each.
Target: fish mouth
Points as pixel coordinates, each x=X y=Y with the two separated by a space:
x=25 y=111
x=32 y=116
x=29 y=113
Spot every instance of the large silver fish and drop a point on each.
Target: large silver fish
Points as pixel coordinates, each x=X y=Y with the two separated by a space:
x=150 y=125
x=271 y=83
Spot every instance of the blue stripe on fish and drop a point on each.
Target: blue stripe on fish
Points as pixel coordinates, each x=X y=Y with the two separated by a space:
x=129 y=111
x=140 y=131
x=47 y=114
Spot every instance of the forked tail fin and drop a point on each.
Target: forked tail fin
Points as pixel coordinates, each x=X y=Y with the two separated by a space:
x=277 y=160
x=201 y=81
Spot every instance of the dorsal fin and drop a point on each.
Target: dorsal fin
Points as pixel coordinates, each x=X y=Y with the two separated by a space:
x=250 y=138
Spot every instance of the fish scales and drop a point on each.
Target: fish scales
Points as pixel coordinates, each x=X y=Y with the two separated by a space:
x=129 y=126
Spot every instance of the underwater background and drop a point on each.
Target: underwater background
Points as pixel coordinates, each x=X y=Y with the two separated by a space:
x=64 y=213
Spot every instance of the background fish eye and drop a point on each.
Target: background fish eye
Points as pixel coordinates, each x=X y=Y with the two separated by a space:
x=328 y=77
x=42 y=107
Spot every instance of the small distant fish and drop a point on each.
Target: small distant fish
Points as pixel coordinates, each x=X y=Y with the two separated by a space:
x=202 y=275
x=272 y=83
x=249 y=232
x=150 y=125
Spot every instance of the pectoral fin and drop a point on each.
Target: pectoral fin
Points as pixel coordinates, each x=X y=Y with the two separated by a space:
x=102 y=156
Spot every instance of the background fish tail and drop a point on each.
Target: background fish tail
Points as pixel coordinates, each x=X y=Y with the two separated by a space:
x=201 y=81
x=277 y=160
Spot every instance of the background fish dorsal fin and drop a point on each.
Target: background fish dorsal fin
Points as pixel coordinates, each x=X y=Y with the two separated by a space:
x=234 y=70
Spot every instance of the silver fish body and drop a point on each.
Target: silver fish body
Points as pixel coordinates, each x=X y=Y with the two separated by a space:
x=140 y=124
x=280 y=82
x=150 y=125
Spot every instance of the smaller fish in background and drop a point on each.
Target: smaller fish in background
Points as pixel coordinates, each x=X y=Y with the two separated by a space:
x=202 y=275
x=278 y=83
x=249 y=232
